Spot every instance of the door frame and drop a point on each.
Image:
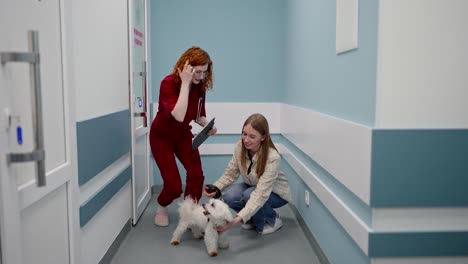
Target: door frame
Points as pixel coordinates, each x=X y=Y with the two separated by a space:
x=70 y=95
x=136 y=210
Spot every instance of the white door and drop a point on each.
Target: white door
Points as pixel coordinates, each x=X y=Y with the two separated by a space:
x=35 y=165
x=141 y=184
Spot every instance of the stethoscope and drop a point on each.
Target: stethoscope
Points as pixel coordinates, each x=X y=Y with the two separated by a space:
x=200 y=102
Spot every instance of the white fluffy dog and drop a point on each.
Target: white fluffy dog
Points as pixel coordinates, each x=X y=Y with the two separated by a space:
x=203 y=219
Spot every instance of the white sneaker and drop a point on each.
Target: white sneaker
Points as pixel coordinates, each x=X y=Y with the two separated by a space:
x=268 y=229
x=247 y=226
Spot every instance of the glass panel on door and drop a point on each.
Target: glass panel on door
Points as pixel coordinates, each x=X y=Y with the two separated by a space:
x=139 y=67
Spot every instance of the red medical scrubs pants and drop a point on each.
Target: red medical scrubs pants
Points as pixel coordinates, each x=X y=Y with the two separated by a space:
x=165 y=150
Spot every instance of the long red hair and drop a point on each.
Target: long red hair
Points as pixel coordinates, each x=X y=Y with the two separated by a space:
x=196 y=57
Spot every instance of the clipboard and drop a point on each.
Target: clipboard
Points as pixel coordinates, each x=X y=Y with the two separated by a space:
x=203 y=135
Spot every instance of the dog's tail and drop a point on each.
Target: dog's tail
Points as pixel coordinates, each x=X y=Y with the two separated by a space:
x=186 y=207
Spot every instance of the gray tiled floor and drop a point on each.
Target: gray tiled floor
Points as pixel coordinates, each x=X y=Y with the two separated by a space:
x=147 y=243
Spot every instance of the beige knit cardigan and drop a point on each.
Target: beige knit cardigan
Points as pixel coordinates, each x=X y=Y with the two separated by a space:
x=272 y=180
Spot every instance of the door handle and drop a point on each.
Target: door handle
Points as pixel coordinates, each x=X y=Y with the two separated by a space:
x=145 y=100
x=33 y=58
x=145 y=110
x=142 y=114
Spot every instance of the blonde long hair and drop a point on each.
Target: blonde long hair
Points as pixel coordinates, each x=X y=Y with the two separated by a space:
x=260 y=124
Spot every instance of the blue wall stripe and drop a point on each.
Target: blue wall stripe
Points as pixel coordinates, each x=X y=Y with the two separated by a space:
x=93 y=205
x=100 y=142
x=424 y=244
x=419 y=168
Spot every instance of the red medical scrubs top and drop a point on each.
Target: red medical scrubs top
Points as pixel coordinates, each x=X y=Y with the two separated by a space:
x=165 y=124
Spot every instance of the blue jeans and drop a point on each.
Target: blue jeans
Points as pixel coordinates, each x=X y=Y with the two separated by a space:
x=237 y=196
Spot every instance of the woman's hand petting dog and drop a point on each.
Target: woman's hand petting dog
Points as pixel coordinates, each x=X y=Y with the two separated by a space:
x=228 y=225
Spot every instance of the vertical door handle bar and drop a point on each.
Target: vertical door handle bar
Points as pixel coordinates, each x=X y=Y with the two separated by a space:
x=33 y=58
x=143 y=114
x=145 y=99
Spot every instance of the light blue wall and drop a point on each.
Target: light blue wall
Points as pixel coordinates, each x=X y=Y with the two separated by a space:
x=338 y=85
x=245 y=39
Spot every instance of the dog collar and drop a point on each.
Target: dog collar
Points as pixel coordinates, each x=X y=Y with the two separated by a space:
x=206 y=211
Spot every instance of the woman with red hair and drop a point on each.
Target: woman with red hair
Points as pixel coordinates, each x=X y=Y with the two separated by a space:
x=181 y=100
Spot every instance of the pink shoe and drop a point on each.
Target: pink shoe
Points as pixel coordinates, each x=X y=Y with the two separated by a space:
x=161 y=218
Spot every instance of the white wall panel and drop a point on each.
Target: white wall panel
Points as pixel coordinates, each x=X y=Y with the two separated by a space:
x=100 y=33
x=100 y=232
x=103 y=178
x=342 y=148
x=231 y=116
x=44 y=227
x=354 y=226
x=422 y=71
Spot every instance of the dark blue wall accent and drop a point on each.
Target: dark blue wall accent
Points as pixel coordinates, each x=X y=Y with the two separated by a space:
x=93 y=205
x=101 y=141
x=419 y=168
x=425 y=244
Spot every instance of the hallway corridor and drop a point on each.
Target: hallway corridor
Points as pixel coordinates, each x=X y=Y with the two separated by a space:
x=147 y=243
